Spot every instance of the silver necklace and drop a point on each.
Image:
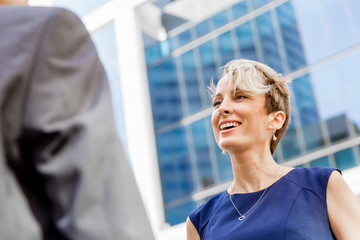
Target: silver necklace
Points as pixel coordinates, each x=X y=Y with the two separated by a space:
x=242 y=216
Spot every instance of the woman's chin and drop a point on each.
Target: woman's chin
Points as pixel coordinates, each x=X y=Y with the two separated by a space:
x=230 y=147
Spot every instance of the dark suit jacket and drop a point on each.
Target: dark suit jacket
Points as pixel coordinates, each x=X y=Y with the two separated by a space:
x=63 y=172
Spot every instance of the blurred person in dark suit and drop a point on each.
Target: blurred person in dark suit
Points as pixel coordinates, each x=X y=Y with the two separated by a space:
x=63 y=172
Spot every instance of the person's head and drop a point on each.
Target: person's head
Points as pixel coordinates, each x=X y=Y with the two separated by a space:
x=256 y=97
x=13 y=2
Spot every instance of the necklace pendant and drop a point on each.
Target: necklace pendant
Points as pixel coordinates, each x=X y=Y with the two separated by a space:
x=241 y=218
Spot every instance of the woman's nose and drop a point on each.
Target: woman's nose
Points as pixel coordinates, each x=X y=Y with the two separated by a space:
x=225 y=109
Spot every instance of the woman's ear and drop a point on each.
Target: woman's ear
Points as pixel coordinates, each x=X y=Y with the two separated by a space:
x=276 y=120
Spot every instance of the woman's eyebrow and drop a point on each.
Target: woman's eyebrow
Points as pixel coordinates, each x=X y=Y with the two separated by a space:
x=217 y=95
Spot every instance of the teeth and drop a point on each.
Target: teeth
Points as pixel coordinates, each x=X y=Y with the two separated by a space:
x=229 y=124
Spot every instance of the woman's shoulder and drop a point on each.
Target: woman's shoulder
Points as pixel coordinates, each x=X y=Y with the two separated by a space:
x=201 y=215
x=314 y=179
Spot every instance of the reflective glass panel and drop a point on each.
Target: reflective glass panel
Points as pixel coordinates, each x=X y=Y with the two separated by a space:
x=184 y=37
x=290 y=142
x=337 y=128
x=208 y=62
x=158 y=51
x=220 y=19
x=174 y=163
x=177 y=214
x=268 y=43
x=201 y=144
x=203 y=28
x=324 y=162
x=258 y=3
x=165 y=95
x=307 y=111
x=239 y=9
x=226 y=49
x=330 y=103
x=191 y=82
x=246 y=41
x=338 y=20
x=313 y=29
x=348 y=69
x=290 y=35
x=345 y=159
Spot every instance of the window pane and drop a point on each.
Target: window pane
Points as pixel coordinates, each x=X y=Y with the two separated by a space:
x=326 y=88
x=291 y=39
x=165 y=96
x=226 y=50
x=268 y=42
x=201 y=144
x=239 y=9
x=177 y=214
x=312 y=28
x=246 y=41
x=338 y=20
x=191 y=82
x=349 y=71
x=258 y=3
x=208 y=64
x=174 y=163
x=202 y=28
x=337 y=127
x=345 y=159
x=184 y=37
x=158 y=51
x=307 y=110
x=289 y=143
x=324 y=162
x=329 y=101
x=220 y=19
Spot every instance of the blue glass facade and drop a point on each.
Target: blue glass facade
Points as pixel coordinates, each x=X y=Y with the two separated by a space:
x=311 y=45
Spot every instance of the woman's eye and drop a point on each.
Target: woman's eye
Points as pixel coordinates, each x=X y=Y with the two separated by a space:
x=216 y=103
x=238 y=97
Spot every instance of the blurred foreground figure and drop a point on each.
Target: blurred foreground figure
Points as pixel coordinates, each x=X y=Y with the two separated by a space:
x=63 y=172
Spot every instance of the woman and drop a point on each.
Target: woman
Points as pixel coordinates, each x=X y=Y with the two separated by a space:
x=266 y=200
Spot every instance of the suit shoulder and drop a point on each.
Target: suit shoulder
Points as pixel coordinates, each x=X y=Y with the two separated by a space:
x=35 y=16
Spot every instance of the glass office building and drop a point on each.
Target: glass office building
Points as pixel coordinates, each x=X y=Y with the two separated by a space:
x=314 y=43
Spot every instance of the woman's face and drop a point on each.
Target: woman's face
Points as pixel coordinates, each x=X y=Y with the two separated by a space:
x=240 y=121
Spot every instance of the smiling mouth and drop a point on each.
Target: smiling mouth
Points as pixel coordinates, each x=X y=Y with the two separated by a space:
x=229 y=125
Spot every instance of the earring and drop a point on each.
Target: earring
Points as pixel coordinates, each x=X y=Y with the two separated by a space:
x=223 y=152
x=274 y=137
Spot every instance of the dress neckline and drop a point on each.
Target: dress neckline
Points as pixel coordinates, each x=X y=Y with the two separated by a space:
x=261 y=190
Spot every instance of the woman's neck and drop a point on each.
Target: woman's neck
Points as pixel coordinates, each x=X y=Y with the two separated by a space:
x=252 y=171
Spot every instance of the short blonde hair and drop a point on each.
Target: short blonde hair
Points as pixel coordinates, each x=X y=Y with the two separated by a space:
x=257 y=78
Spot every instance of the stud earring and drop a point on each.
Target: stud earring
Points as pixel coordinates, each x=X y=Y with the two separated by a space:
x=223 y=152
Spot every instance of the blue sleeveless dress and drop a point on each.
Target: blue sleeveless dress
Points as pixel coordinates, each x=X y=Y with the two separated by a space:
x=294 y=207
